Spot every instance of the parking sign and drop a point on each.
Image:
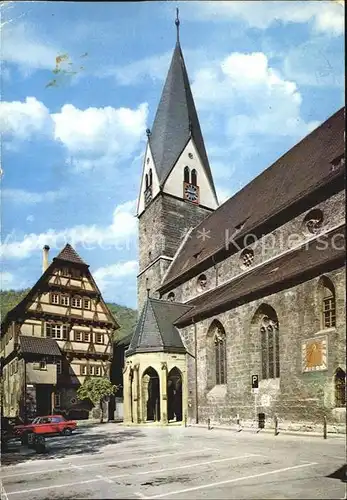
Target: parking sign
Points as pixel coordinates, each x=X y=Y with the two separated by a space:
x=255 y=383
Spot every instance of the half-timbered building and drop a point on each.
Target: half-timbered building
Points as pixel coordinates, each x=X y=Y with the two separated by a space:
x=59 y=334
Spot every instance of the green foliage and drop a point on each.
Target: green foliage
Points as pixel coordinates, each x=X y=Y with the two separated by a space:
x=95 y=389
x=124 y=316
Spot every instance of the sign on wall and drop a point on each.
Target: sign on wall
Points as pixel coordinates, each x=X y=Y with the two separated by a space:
x=314 y=355
x=255 y=383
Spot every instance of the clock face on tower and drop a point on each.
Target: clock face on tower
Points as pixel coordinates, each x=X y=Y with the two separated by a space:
x=191 y=192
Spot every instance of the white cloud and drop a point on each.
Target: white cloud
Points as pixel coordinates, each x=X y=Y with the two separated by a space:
x=21 y=196
x=154 y=67
x=111 y=276
x=120 y=234
x=24 y=119
x=250 y=97
x=325 y=16
x=101 y=132
x=22 y=46
x=95 y=137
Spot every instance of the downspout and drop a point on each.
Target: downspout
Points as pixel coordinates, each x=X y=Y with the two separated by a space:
x=196 y=373
x=25 y=391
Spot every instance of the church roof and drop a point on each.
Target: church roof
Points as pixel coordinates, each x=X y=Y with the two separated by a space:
x=289 y=269
x=176 y=121
x=69 y=254
x=312 y=164
x=154 y=331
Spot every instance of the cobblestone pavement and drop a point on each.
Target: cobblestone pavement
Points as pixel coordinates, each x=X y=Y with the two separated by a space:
x=144 y=462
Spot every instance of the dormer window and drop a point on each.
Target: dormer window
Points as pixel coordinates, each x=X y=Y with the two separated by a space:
x=194 y=177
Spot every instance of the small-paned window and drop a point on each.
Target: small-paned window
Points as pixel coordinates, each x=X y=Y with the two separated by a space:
x=57 y=331
x=54 y=298
x=97 y=371
x=57 y=400
x=86 y=336
x=76 y=302
x=270 y=351
x=59 y=364
x=86 y=303
x=99 y=338
x=84 y=370
x=78 y=336
x=64 y=300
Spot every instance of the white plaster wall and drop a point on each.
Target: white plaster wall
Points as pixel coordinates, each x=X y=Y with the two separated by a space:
x=155 y=185
x=174 y=183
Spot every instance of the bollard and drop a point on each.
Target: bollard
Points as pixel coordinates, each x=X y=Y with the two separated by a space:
x=239 y=427
x=208 y=424
x=324 y=427
x=276 y=425
x=185 y=420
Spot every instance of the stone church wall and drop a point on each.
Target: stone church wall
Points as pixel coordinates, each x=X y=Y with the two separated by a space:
x=296 y=395
x=280 y=240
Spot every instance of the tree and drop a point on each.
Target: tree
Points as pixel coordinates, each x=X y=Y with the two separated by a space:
x=96 y=389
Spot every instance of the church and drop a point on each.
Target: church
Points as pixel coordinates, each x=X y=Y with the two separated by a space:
x=241 y=305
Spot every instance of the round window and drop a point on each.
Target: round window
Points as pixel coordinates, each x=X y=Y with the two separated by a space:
x=202 y=282
x=247 y=257
x=314 y=220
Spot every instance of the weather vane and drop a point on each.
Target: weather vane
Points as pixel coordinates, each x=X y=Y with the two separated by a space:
x=177 y=22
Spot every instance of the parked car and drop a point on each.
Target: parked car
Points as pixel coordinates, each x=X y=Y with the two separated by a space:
x=48 y=425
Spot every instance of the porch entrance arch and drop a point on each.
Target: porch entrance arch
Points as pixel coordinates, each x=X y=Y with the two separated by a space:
x=151 y=394
x=174 y=395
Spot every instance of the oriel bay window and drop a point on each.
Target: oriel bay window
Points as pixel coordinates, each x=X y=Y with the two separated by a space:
x=57 y=331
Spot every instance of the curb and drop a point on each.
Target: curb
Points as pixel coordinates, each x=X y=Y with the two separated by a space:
x=252 y=430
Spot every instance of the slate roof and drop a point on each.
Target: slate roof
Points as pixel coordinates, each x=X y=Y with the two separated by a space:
x=281 y=273
x=39 y=345
x=176 y=115
x=298 y=173
x=69 y=254
x=154 y=331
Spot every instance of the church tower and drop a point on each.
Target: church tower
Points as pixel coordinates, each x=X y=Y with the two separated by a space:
x=177 y=190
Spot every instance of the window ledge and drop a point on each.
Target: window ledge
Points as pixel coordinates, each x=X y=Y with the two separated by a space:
x=326 y=330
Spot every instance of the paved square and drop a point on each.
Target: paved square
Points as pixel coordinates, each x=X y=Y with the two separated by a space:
x=112 y=461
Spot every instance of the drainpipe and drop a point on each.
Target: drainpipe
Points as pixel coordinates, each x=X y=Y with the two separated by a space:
x=196 y=373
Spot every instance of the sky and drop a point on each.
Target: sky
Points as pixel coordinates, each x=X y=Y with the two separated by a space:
x=80 y=83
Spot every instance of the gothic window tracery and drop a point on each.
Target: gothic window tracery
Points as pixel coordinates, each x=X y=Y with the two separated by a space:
x=270 y=359
x=314 y=220
x=220 y=353
x=247 y=257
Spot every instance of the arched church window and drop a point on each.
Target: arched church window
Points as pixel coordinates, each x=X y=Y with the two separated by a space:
x=270 y=352
x=146 y=181
x=220 y=355
x=194 y=177
x=340 y=388
x=171 y=297
x=186 y=174
x=150 y=177
x=328 y=303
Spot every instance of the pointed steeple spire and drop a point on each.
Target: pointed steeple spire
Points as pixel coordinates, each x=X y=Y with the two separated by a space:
x=176 y=120
x=177 y=22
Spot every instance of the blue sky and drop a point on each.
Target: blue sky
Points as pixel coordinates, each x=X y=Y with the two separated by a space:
x=263 y=75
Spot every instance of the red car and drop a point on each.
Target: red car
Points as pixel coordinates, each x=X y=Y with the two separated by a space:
x=52 y=424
